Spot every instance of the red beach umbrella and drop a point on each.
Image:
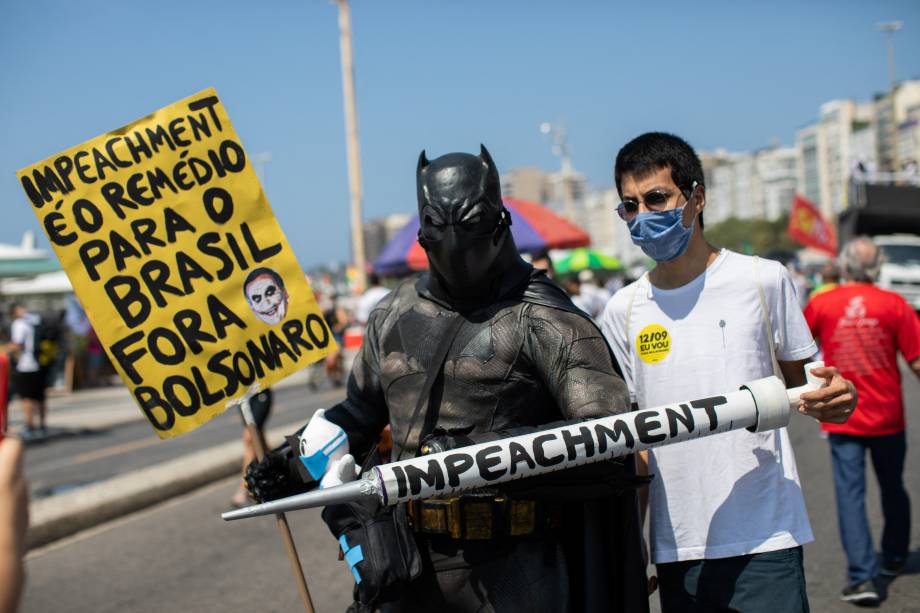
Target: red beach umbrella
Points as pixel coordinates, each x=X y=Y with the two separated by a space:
x=533 y=226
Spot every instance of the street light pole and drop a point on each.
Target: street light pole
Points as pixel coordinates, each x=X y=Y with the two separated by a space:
x=889 y=28
x=351 y=136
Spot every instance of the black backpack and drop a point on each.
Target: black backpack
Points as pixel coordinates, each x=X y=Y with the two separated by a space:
x=46 y=343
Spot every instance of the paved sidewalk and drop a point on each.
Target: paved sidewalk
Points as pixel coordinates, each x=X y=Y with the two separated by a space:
x=101 y=407
x=56 y=517
x=61 y=515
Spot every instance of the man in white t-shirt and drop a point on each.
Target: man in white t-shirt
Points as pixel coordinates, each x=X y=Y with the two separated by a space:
x=30 y=379
x=727 y=514
x=369 y=299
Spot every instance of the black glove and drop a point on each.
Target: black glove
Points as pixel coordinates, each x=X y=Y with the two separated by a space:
x=378 y=544
x=277 y=475
x=446 y=440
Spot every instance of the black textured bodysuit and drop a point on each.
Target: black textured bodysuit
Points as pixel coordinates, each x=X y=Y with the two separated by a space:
x=512 y=364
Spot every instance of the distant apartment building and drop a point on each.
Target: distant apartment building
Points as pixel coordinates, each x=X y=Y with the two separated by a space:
x=907 y=103
x=546 y=188
x=378 y=232
x=775 y=169
x=749 y=185
x=729 y=178
x=858 y=140
x=906 y=108
x=609 y=233
x=711 y=161
x=829 y=149
x=529 y=183
x=593 y=210
x=909 y=146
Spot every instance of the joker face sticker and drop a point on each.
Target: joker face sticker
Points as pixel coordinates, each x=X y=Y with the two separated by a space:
x=266 y=295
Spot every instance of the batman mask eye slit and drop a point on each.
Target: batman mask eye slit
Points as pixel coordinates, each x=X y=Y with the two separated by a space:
x=473 y=214
x=432 y=217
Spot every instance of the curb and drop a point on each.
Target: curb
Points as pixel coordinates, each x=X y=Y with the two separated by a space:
x=109 y=407
x=56 y=517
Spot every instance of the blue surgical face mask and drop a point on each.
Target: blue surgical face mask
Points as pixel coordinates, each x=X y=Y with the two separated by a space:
x=661 y=234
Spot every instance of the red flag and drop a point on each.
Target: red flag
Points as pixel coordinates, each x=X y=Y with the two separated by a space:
x=808 y=227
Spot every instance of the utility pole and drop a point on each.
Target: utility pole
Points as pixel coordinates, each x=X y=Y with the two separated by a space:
x=561 y=148
x=889 y=28
x=351 y=139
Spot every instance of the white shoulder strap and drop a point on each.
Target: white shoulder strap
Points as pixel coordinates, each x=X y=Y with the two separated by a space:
x=765 y=313
x=629 y=305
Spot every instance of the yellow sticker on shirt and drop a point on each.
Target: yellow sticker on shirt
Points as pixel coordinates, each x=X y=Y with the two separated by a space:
x=653 y=343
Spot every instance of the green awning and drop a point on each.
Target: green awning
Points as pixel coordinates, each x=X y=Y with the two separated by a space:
x=25 y=267
x=582 y=258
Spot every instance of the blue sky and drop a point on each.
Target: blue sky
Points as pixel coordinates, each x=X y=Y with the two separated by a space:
x=438 y=75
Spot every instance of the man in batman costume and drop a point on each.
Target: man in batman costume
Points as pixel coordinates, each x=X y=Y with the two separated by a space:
x=519 y=357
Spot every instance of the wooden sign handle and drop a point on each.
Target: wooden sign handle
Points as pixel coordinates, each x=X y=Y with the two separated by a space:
x=258 y=443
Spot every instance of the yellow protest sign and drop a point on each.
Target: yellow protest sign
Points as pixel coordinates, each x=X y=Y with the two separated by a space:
x=171 y=246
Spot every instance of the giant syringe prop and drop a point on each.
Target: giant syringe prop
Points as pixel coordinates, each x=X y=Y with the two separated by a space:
x=759 y=406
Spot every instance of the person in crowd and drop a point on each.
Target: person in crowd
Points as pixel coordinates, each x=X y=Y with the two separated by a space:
x=95 y=358
x=30 y=377
x=727 y=514
x=800 y=283
x=480 y=347
x=14 y=520
x=542 y=261
x=593 y=295
x=261 y=405
x=614 y=283
x=369 y=299
x=572 y=286
x=829 y=278
x=861 y=329
x=337 y=319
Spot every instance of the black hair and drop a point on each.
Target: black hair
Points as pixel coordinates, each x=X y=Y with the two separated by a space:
x=656 y=150
x=571 y=280
x=373 y=279
x=542 y=254
x=258 y=272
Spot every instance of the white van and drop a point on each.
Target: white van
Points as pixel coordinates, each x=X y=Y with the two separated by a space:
x=901 y=268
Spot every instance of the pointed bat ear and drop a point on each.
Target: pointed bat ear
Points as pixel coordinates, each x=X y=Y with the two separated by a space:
x=485 y=157
x=422 y=162
x=421 y=192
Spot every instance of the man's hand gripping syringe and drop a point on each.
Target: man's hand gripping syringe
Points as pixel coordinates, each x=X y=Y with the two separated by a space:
x=760 y=405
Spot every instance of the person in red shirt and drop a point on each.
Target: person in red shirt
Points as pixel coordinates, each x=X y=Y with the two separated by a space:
x=861 y=328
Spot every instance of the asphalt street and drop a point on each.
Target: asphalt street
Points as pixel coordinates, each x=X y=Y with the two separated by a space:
x=825 y=564
x=75 y=456
x=180 y=556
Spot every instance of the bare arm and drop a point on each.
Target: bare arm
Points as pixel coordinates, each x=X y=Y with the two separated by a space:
x=834 y=402
x=14 y=519
x=642 y=471
x=915 y=366
x=793 y=372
